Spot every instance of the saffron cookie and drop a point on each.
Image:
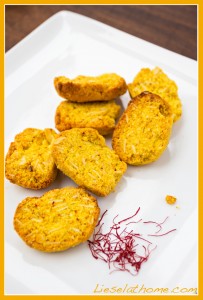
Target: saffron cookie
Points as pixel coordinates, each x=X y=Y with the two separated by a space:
x=60 y=219
x=29 y=161
x=157 y=82
x=98 y=115
x=81 y=154
x=143 y=131
x=85 y=88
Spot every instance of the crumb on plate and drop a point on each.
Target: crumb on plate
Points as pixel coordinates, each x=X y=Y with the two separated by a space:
x=171 y=200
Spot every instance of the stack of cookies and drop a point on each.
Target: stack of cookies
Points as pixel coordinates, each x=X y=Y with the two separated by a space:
x=89 y=102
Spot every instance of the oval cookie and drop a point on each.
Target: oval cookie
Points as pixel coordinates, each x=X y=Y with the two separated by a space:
x=97 y=115
x=86 y=88
x=143 y=132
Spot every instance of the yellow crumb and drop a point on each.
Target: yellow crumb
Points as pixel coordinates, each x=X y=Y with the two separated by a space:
x=171 y=200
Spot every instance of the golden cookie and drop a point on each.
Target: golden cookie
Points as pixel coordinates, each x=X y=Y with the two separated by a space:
x=142 y=133
x=81 y=154
x=98 y=115
x=85 y=88
x=157 y=82
x=58 y=220
x=29 y=161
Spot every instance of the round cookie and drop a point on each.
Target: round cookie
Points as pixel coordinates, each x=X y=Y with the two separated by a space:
x=60 y=219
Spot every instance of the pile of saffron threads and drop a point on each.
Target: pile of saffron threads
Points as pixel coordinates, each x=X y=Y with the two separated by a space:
x=122 y=248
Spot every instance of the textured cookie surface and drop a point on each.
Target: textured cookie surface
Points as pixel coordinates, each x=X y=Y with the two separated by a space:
x=81 y=154
x=29 y=161
x=85 y=88
x=143 y=131
x=157 y=82
x=98 y=115
x=58 y=220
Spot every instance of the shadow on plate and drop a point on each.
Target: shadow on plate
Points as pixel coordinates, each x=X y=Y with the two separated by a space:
x=177 y=127
x=149 y=171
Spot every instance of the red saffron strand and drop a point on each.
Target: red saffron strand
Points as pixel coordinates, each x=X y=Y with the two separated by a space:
x=123 y=249
x=162 y=233
x=157 y=224
x=102 y=216
x=130 y=217
x=135 y=222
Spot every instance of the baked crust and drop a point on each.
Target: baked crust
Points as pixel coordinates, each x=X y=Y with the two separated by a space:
x=143 y=131
x=87 y=88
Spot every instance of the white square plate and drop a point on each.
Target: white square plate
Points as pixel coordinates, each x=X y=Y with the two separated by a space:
x=70 y=44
